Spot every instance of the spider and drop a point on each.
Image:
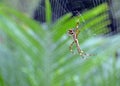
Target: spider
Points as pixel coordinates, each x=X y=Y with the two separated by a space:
x=74 y=32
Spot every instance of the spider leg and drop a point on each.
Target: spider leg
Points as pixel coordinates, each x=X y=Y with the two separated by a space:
x=78 y=47
x=85 y=55
x=71 y=45
x=88 y=54
x=82 y=53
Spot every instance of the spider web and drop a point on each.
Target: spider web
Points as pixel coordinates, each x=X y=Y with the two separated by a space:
x=61 y=7
x=36 y=8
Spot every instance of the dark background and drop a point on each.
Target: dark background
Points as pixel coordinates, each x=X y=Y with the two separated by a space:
x=61 y=7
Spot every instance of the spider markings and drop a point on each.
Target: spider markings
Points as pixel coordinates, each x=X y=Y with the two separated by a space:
x=74 y=33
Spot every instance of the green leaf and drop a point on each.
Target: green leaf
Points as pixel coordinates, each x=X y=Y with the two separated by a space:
x=48 y=11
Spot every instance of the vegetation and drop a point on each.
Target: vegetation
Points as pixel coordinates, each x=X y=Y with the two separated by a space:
x=33 y=54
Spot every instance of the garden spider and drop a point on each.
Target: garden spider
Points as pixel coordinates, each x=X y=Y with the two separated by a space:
x=74 y=33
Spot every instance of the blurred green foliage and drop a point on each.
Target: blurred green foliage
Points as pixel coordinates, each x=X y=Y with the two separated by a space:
x=26 y=6
x=33 y=54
